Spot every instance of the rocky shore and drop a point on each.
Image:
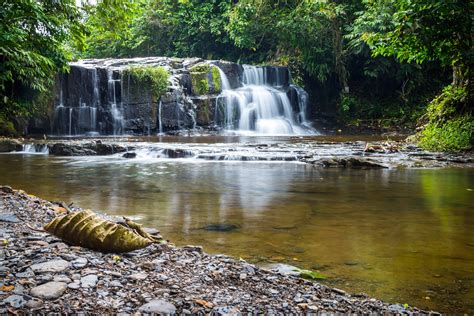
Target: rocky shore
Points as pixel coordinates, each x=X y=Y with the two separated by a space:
x=40 y=274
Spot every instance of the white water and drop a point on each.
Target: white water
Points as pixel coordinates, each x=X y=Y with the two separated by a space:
x=115 y=110
x=160 y=123
x=36 y=149
x=261 y=109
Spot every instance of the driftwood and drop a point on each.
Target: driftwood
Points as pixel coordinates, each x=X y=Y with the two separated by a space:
x=88 y=230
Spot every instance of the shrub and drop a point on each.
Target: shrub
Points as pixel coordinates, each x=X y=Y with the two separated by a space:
x=155 y=76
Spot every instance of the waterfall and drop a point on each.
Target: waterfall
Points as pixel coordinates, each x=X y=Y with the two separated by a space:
x=261 y=106
x=115 y=110
x=160 y=123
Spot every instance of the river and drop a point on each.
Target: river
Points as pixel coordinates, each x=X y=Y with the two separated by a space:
x=402 y=235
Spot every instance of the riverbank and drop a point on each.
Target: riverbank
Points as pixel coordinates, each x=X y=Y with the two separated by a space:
x=42 y=274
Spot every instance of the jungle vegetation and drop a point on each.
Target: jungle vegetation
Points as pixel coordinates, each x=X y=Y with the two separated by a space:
x=396 y=62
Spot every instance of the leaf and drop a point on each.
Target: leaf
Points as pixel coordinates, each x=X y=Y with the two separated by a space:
x=88 y=230
x=308 y=274
x=7 y=288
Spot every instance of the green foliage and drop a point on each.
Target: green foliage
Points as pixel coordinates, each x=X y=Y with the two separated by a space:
x=421 y=30
x=112 y=28
x=35 y=43
x=154 y=76
x=447 y=104
x=455 y=134
x=216 y=78
x=200 y=79
x=448 y=129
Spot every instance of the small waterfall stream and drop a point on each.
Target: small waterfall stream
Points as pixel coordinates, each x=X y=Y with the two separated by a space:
x=260 y=106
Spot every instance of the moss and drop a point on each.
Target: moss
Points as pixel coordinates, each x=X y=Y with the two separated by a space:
x=7 y=128
x=200 y=79
x=447 y=128
x=216 y=78
x=154 y=76
x=452 y=135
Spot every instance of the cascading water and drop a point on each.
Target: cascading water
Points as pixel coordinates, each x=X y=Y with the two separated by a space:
x=115 y=110
x=260 y=105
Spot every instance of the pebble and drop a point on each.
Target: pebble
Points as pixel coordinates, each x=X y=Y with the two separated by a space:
x=50 y=266
x=138 y=276
x=74 y=285
x=79 y=263
x=15 y=301
x=9 y=217
x=158 y=307
x=49 y=291
x=62 y=278
x=89 y=281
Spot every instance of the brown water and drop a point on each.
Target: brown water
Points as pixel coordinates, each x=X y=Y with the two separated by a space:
x=404 y=236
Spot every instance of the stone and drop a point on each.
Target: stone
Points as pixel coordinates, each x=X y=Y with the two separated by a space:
x=49 y=291
x=158 y=307
x=50 y=266
x=34 y=303
x=138 y=276
x=15 y=301
x=74 y=285
x=9 y=218
x=79 y=263
x=129 y=155
x=89 y=281
x=62 y=278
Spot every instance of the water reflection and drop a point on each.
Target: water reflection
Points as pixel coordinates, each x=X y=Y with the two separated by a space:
x=401 y=235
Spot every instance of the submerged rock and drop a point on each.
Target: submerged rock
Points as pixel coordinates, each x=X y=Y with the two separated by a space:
x=220 y=227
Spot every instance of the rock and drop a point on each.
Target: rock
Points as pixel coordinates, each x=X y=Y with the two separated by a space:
x=89 y=280
x=138 y=276
x=79 y=263
x=129 y=155
x=34 y=303
x=62 y=278
x=15 y=301
x=50 y=266
x=158 y=307
x=7 y=145
x=74 y=285
x=49 y=291
x=220 y=227
x=9 y=217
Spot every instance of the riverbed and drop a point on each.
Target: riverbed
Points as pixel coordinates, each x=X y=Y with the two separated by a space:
x=401 y=235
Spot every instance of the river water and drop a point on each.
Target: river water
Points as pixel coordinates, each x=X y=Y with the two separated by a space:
x=402 y=235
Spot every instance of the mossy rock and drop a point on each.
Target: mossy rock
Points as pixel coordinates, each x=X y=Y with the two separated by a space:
x=205 y=79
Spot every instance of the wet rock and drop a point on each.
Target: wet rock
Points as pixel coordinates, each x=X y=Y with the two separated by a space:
x=50 y=266
x=220 y=227
x=89 y=281
x=177 y=153
x=49 y=291
x=8 y=144
x=129 y=155
x=158 y=307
